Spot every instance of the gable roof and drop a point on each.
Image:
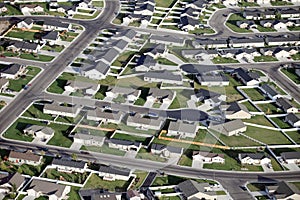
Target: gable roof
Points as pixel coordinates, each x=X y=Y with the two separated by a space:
x=269 y=89
x=10 y=69
x=51 y=35
x=145 y=121
x=114 y=170
x=89 y=137
x=243 y=74
x=228 y=126
x=208 y=154
x=182 y=126
x=124 y=142
x=44 y=129
x=255 y=156
x=69 y=163
x=284 y=103
x=25 y=156
x=163 y=75
x=285 y=190
x=236 y=107
x=191 y=187
x=292 y=118
x=290 y=155
x=47 y=188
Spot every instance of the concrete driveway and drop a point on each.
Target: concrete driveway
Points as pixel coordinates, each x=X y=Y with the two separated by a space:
x=292 y=167
x=130 y=154
x=197 y=164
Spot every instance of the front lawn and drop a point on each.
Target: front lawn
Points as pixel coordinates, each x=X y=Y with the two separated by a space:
x=95 y=182
x=25 y=35
x=290 y=72
x=69 y=177
x=144 y=154
x=295 y=135
x=104 y=149
x=123 y=58
x=73 y=194
x=264 y=59
x=60 y=137
x=56 y=48
x=267 y=136
x=249 y=106
x=185 y=160
x=38 y=57
x=36 y=111
x=143 y=140
x=164 y=3
x=165 y=61
x=233 y=27
x=220 y=60
x=78 y=16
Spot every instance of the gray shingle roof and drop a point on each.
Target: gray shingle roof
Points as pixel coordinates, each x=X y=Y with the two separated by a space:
x=47 y=188
x=114 y=170
x=284 y=103
x=163 y=75
x=184 y=127
x=69 y=163
x=270 y=89
x=44 y=129
x=124 y=142
x=190 y=188
x=290 y=155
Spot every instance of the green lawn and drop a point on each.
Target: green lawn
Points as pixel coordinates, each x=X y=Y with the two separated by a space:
x=96 y=182
x=205 y=137
x=182 y=96
x=73 y=194
x=233 y=27
x=98 y=4
x=144 y=154
x=165 y=61
x=255 y=187
x=167 y=180
x=123 y=58
x=60 y=137
x=280 y=3
x=78 y=16
x=237 y=141
x=265 y=29
x=69 y=177
x=36 y=111
x=104 y=149
x=19 y=83
x=119 y=99
x=292 y=75
x=267 y=136
x=164 y=3
x=259 y=119
x=295 y=135
x=270 y=108
x=254 y=94
x=185 y=161
x=249 y=106
x=56 y=48
x=220 y=60
x=131 y=129
x=11 y=10
x=276 y=166
x=39 y=57
x=26 y=35
x=295 y=28
x=280 y=122
x=140 y=102
x=264 y=59
x=202 y=31
x=143 y=140
x=139 y=180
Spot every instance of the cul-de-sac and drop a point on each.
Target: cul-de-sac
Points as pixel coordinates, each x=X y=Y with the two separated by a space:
x=150 y=99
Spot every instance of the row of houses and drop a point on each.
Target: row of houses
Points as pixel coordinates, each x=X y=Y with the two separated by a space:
x=276 y=24
x=271 y=13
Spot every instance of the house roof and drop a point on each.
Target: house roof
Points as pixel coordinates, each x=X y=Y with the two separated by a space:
x=82 y=84
x=130 y=34
x=208 y=154
x=199 y=69
x=183 y=127
x=292 y=118
x=212 y=78
x=14 y=179
x=206 y=94
x=186 y=20
x=114 y=170
x=244 y=74
x=51 y=35
x=123 y=90
x=22 y=44
x=100 y=66
x=160 y=93
x=228 y=126
x=255 y=156
x=28 y=21
x=290 y=155
x=284 y=103
x=47 y=188
x=44 y=129
x=167 y=38
x=24 y=156
x=59 y=108
x=145 y=121
x=110 y=55
x=3 y=81
x=163 y=75
x=10 y=69
x=158 y=49
x=105 y=115
x=120 y=44
x=161 y=147
x=285 y=189
x=69 y=163
x=146 y=60
x=56 y=24
x=191 y=187
x=236 y=107
x=124 y=142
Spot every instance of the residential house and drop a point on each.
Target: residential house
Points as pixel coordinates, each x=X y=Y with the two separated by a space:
x=182 y=129
x=207 y=157
x=69 y=166
x=197 y=4
x=124 y=145
x=198 y=54
x=134 y=195
x=146 y=63
x=210 y=43
x=88 y=139
x=194 y=190
x=270 y=91
x=160 y=95
x=254 y=159
x=236 y=111
x=163 y=77
x=166 y=151
x=50 y=25
x=95 y=70
x=245 y=77
x=213 y=80
x=159 y=50
x=17 y=46
x=293 y=120
x=27 y=23
x=52 y=37
x=145 y=123
x=291 y=157
x=127 y=35
x=188 y=23
x=167 y=40
x=44 y=133
x=130 y=94
x=9 y=182
x=3 y=84
x=112 y=173
x=208 y=97
x=246 y=24
x=283 y=190
x=24 y=158
x=105 y=116
x=31 y=8
x=230 y=128
x=11 y=71
x=56 y=109
x=286 y=106
x=99 y=194
x=51 y=190
x=87 y=88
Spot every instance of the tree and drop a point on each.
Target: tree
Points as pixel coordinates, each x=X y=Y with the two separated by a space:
x=74 y=156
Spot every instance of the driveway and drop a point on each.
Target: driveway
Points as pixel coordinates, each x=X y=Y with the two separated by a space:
x=292 y=167
x=130 y=154
x=197 y=164
x=76 y=146
x=267 y=169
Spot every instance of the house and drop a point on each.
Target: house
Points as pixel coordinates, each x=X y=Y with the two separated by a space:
x=291 y=157
x=279 y=25
x=293 y=120
x=3 y=84
x=230 y=128
x=163 y=77
x=56 y=109
x=210 y=43
x=69 y=166
x=87 y=139
x=105 y=116
x=109 y=56
x=198 y=54
x=197 y=4
x=124 y=145
x=213 y=80
x=31 y=8
x=159 y=50
x=52 y=37
x=144 y=9
x=286 y=106
x=188 y=23
x=281 y=53
x=87 y=88
x=166 y=151
x=207 y=157
x=167 y=40
x=95 y=70
x=246 y=24
x=270 y=91
x=160 y=95
x=17 y=46
x=24 y=158
x=182 y=129
x=145 y=123
x=134 y=195
x=283 y=190
x=194 y=190
x=98 y=194
x=203 y=95
x=52 y=190
x=130 y=94
x=42 y=132
x=236 y=110
x=145 y=63
x=12 y=180
x=50 y=25
x=112 y=173
x=245 y=77
x=27 y=23
x=11 y=71
x=254 y=159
